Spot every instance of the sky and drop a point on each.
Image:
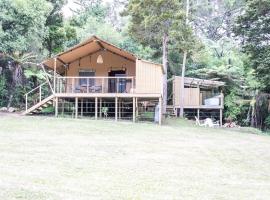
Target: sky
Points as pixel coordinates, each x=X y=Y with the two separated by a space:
x=66 y=9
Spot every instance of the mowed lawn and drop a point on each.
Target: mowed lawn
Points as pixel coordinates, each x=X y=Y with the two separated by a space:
x=54 y=158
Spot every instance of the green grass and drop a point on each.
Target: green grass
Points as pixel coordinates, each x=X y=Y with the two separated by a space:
x=50 y=158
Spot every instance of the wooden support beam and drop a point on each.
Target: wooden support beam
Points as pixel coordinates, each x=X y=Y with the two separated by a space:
x=63 y=104
x=134 y=110
x=81 y=107
x=119 y=109
x=198 y=114
x=100 y=108
x=96 y=108
x=160 y=111
x=56 y=106
x=137 y=108
x=61 y=61
x=76 y=107
x=116 y=108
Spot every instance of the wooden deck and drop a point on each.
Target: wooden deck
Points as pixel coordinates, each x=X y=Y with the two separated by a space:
x=107 y=95
x=203 y=107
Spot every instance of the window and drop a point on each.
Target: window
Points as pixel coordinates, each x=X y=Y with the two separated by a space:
x=87 y=73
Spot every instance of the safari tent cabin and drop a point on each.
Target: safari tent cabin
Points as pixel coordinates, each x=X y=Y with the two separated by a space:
x=97 y=79
x=202 y=98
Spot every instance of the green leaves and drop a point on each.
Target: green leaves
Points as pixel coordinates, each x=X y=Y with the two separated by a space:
x=253 y=29
x=151 y=19
x=22 y=24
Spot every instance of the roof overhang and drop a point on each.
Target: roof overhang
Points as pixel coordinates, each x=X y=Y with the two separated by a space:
x=86 y=48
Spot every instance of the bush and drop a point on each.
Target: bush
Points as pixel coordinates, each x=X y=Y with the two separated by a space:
x=267 y=122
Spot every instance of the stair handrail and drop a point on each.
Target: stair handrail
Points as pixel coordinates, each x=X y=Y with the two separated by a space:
x=47 y=78
x=39 y=87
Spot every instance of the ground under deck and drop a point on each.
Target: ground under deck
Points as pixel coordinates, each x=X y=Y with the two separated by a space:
x=98 y=101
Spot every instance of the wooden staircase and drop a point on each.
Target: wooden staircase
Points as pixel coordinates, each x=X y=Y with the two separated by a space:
x=39 y=98
x=37 y=108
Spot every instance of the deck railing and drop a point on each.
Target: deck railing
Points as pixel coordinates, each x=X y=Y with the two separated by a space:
x=95 y=84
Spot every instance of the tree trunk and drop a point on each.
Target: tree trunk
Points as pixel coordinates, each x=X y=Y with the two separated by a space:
x=18 y=75
x=17 y=80
x=165 y=68
x=182 y=90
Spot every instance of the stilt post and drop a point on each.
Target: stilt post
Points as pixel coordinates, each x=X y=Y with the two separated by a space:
x=160 y=111
x=134 y=110
x=81 y=107
x=96 y=108
x=220 y=117
x=100 y=108
x=116 y=108
x=56 y=106
x=137 y=108
x=76 y=107
x=198 y=114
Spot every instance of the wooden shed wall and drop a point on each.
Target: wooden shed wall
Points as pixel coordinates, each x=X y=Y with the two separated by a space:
x=148 y=77
x=192 y=95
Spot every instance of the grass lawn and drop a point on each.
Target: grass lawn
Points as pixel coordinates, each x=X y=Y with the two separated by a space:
x=49 y=158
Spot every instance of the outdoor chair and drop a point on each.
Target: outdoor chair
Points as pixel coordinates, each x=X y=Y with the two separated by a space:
x=207 y=122
x=200 y=122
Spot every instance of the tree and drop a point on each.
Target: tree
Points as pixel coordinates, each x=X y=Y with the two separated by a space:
x=253 y=30
x=22 y=30
x=184 y=40
x=150 y=23
x=54 y=41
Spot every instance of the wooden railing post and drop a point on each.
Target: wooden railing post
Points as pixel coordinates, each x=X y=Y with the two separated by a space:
x=117 y=85
x=87 y=85
x=60 y=85
x=132 y=84
x=103 y=85
x=73 y=85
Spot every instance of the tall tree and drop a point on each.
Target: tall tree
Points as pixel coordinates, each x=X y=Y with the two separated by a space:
x=150 y=23
x=253 y=29
x=22 y=29
x=54 y=41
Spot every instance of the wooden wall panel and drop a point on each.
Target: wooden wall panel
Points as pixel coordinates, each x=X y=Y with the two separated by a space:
x=192 y=95
x=148 y=77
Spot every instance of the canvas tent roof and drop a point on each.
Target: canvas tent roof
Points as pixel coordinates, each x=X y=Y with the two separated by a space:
x=86 y=48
